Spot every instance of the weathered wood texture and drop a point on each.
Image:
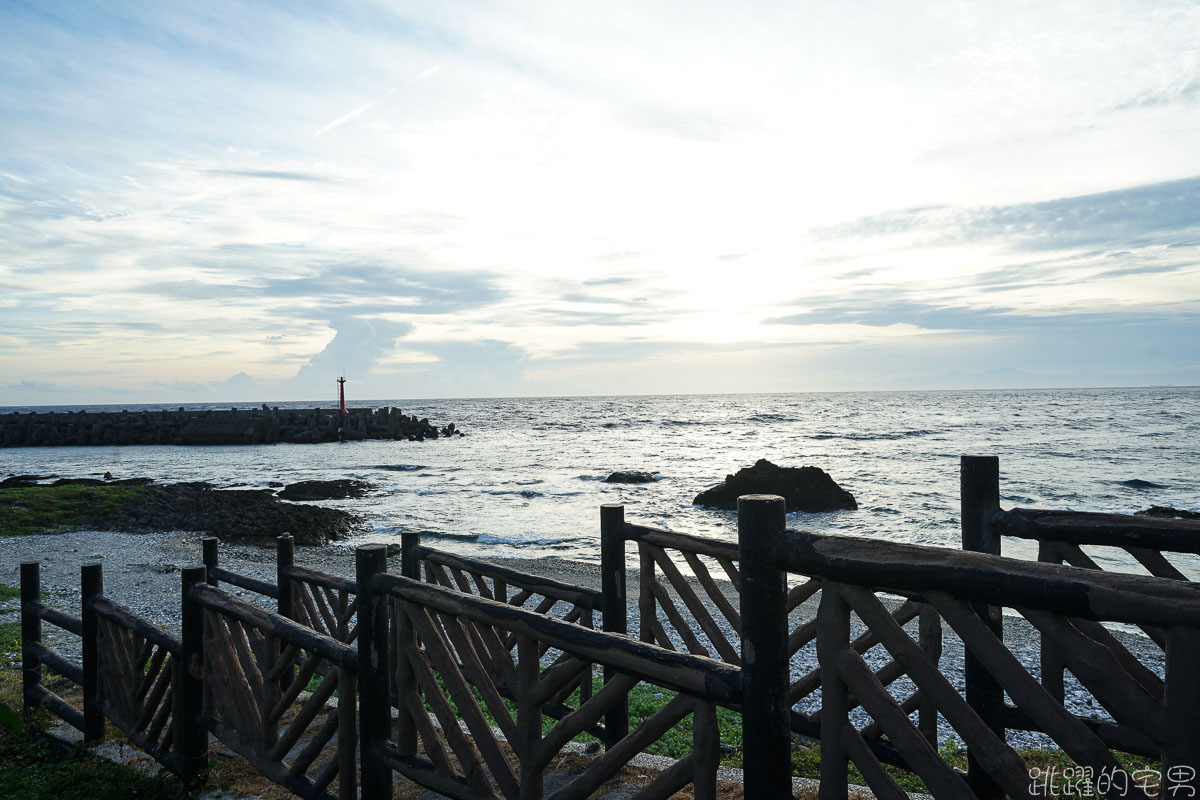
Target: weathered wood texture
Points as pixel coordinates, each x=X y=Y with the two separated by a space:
x=1062 y=537
x=676 y=616
x=306 y=746
x=456 y=649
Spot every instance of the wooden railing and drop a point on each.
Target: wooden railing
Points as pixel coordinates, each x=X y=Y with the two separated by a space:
x=967 y=590
x=1061 y=537
x=253 y=695
x=453 y=645
x=475 y=658
x=673 y=615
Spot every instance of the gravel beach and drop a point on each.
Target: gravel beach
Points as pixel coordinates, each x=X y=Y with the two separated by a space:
x=142 y=572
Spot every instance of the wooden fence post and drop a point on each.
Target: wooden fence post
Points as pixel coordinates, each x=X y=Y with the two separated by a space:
x=31 y=633
x=374 y=705
x=410 y=555
x=402 y=635
x=211 y=549
x=191 y=738
x=91 y=587
x=285 y=556
x=1181 y=698
x=615 y=612
x=766 y=717
x=979 y=502
x=929 y=639
x=833 y=639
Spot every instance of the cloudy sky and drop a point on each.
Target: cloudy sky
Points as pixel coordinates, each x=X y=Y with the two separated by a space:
x=240 y=201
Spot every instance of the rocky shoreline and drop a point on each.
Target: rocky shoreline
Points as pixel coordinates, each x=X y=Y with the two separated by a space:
x=138 y=505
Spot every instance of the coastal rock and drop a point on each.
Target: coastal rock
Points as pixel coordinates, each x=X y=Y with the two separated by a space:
x=1165 y=512
x=255 y=516
x=630 y=476
x=802 y=488
x=22 y=481
x=325 y=490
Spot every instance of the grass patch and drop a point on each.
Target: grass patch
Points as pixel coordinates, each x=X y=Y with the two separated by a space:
x=53 y=509
x=10 y=638
x=9 y=593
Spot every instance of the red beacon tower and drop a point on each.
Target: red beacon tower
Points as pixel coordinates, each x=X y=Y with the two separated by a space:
x=342 y=396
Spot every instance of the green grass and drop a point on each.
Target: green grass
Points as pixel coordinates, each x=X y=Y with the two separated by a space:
x=52 y=509
x=9 y=593
x=32 y=768
x=10 y=638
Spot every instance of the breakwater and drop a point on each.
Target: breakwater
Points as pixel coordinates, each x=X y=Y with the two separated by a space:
x=263 y=425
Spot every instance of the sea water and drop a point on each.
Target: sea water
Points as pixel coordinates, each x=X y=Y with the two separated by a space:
x=528 y=478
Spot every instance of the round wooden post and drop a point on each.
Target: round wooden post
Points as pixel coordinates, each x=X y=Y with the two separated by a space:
x=210 y=545
x=31 y=633
x=615 y=614
x=766 y=712
x=1181 y=698
x=410 y=555
x=91 y=580
x=979 y=500
x=374 y=715
x=191 y=738
x=285 y=556
x=406 y=684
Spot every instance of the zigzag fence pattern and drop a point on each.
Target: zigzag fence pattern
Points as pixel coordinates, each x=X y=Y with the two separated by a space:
x=489 y=671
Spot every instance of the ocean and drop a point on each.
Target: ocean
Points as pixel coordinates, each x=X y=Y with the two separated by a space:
x=528 y=478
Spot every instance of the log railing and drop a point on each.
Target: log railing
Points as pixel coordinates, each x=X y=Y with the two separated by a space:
x=1061 y=602
x=35 y=654
x=279 y=720
x=681 y=614
x=1061 y=537
x=450 y=643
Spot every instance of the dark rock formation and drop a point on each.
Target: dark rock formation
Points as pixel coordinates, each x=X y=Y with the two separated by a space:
x=265 y=425
x=235 y=515
x=802 y=488
x=325 y=490
x=630 y=476
x=1165 y=512
x=16 y=481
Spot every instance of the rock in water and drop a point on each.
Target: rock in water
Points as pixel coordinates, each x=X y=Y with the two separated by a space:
x=802 y=488
x=630 y=476
x=1165 y=512
x=325 y=490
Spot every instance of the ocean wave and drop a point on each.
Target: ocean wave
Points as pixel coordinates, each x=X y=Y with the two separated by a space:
x=764 y=416
x=529 y=493
x=431 y=491
x=492 y=538
x=872 y=437
x=400 y=467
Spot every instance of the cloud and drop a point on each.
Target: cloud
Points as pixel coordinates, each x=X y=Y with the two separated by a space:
x=353 y=351
x=386 y=287
x=364 y=108
x=35 y=386
x=271 y=174
x=935 y=317
x=1138 y=215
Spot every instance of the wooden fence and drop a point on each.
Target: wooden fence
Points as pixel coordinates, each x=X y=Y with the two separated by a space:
x=475 y=659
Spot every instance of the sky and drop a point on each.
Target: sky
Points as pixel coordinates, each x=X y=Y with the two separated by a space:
x=242 y=201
